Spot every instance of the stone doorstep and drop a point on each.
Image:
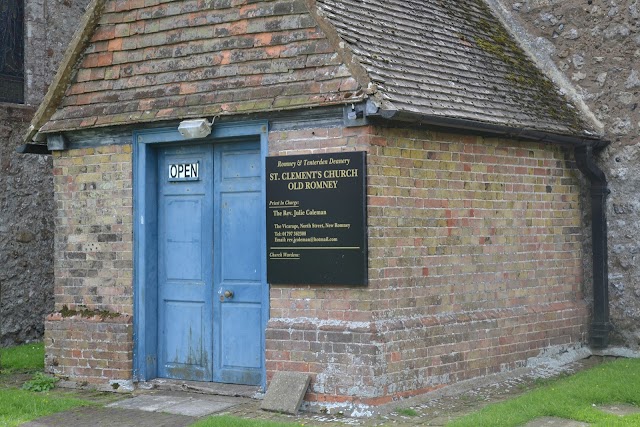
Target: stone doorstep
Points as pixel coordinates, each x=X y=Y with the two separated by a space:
x=188 y=404
x=218 y=389
x=286 y=391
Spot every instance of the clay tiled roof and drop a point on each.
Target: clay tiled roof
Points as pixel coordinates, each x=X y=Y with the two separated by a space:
x=452 y=59
x=151 y=60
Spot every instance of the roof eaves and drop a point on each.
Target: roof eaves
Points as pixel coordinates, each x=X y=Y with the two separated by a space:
x=63 y=77
x=489 y=129
x=124 y=119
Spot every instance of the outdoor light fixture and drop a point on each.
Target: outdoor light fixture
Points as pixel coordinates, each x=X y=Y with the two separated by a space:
x=196 y=128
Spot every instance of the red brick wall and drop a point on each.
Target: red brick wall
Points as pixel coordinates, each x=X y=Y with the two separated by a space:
x=90 y=350
x=93 y=265
x=94 y=230
x=474 y=266
x=476 y=250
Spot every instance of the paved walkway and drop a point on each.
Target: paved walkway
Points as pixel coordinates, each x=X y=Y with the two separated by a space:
x=170 y=407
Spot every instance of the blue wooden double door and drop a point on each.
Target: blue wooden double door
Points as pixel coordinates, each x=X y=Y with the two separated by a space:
x=211 y=283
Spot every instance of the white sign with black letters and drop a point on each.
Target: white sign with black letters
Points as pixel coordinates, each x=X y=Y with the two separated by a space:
x=184 y=171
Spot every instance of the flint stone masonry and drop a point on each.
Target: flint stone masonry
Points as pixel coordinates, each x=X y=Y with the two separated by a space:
x=26 y=185
x=605 y=36
x=26 y=233
x=49 y=25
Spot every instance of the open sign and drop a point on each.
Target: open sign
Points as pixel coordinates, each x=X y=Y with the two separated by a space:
x=184 y=171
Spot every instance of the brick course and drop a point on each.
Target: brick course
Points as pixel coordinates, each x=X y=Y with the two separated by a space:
x=93 y=265
x=90 y=350
x=94 y=230
x=474 y=266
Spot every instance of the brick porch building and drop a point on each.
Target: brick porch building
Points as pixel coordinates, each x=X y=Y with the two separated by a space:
x=473 y=235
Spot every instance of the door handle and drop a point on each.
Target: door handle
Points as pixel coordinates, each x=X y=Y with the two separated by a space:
x=228 y=294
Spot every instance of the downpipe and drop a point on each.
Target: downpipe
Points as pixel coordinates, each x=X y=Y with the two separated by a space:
x=600 y=325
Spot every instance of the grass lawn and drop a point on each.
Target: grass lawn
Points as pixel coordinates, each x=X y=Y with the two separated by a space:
x=18 y=406
x=23 y=358
x=576 y=397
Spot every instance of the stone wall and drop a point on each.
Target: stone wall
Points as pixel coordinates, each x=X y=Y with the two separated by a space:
x=26 y=197
x=49 y=27
x=596 y=44
x=26 y=232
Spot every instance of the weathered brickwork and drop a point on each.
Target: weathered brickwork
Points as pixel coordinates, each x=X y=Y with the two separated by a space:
x=597 y=47
x=474 y=267
x=94 y=231
x=90 y=350
x=93 y=264
x=326 y=331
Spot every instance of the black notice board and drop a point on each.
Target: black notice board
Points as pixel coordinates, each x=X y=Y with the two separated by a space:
x=316 y=219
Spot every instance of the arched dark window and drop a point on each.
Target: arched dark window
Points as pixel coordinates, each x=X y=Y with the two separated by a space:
x=12 y=51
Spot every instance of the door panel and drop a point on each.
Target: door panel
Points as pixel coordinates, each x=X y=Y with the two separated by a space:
x=238 y=323
x=240 y=348
x=185 y=286
x=184 y=350
x=210 y=215
x=240 y=248
x=183 y=237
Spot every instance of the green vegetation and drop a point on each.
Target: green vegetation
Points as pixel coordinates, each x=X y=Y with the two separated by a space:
x=23 y=358
x=407 y=412
x=102 y=314
x=19 y=406
x=576 y=397
x=227 y=421
x=40 y=383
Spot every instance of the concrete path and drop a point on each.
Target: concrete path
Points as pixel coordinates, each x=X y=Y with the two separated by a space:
x=152 y=409
x=178 y=409
x=111 y=417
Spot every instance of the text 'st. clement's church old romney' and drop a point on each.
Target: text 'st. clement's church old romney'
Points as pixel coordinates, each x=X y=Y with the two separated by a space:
x=385 y=195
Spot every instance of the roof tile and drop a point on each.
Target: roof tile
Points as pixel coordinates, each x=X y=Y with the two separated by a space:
x=188 y=57
x=450 y=59
x=172 y=59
